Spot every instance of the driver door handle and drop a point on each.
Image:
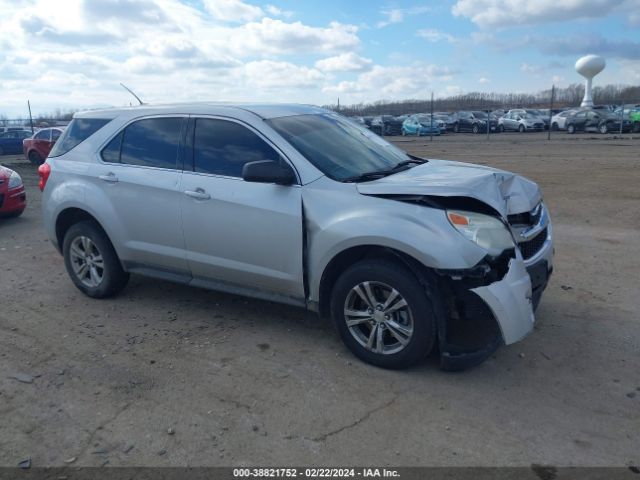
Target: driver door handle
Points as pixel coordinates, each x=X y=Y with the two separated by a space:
x=198 y=194
x=109 y=177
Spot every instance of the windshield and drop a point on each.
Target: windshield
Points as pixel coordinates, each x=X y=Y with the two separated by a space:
x=337 y=147
x=425 y=119
x=479 y=114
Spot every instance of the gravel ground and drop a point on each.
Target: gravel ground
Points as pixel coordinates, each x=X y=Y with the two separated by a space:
x=170 y=375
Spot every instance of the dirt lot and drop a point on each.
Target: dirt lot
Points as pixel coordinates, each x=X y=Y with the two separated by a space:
x=246 y=382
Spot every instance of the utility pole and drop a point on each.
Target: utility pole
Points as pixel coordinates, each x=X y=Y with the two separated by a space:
x=553 y=94
x=431 y=129
x=30 y=118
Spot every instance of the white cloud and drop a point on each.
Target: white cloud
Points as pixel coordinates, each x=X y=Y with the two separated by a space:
x=397 y=15
x=278 y=12
x=484 y=80
x=275 y=37
x=508 y=13
x=433 y=35
x=531 y=69
x=393 y=82
x=345 y=62
x=270 y=74
x=233 y=10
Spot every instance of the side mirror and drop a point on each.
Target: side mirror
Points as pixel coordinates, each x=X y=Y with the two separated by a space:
x=268 y=171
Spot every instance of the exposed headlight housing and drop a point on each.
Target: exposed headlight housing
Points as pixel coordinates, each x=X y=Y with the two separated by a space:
x=484 y=230
x=15 y=180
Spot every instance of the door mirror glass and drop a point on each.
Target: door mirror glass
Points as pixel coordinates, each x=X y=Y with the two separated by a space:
x=268 y=171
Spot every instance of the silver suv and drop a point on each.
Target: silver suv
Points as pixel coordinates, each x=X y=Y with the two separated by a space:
x=299 y=205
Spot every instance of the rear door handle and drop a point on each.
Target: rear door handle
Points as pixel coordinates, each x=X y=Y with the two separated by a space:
x=198 y=194
x=109 y=177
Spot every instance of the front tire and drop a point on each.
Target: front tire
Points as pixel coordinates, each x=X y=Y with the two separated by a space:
x=501 y=128
x=383 y=314
x=604 y=128
x=636 y=127
x=571 y=128
x=521 y=128
x=456 y=128
x=92 y=262
x=475 y=128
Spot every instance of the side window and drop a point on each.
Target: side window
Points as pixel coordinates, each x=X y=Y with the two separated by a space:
x=55 y=135
x=43 y=135
x=222 y=147
x=152 y=142
x=111 y=153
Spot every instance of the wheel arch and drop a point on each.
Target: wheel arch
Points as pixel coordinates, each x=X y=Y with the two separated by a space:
x=69 y=217
x=350 y=256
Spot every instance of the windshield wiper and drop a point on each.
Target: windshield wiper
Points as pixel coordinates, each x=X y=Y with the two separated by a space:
x=399 y=167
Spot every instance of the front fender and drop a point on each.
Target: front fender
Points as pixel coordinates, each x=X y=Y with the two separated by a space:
x=339 y=220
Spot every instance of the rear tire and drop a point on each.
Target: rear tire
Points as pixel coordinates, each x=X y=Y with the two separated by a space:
x=35 y=158
x=636 y=127
x=554 y=127
x=604 y=128
x=393 y=325
x=1 y=151
x=501 y=128
x=92 y=262
x=456 y=128
x=571 y=128
x=475 y=128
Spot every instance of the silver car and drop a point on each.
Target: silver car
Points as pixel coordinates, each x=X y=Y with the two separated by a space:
x=299 y=205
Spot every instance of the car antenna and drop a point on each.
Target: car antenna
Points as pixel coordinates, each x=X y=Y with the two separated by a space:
x=131 y=92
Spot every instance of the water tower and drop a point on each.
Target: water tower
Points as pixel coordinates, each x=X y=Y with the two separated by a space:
x=589 y=66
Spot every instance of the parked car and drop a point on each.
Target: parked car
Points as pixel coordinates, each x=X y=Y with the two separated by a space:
x=420 y=125
x=475 y=122
x=559 y=120
x=602 y=121
x=519 y=120
x=37 y=147
x=634 y=120
x=297 y=204
x=447 y=119
x=11 y=141
x=13 y=199
x=387 y=125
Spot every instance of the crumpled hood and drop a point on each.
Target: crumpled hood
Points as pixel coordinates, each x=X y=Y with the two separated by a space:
x=506 y=192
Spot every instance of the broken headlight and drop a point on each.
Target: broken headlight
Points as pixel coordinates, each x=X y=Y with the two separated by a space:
x=486 y=231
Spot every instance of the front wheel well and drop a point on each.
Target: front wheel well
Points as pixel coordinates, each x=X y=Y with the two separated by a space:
x=350 y=256
x=69 y=217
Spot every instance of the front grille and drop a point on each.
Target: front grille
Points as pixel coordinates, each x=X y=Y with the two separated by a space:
x=533 y=246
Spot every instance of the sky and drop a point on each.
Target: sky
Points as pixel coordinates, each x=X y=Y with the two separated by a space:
x=73 y=54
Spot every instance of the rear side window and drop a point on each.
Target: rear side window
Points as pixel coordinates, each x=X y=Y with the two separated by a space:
x=43 y=135
x=152 y=142
x=222 y=147
x=77 y=132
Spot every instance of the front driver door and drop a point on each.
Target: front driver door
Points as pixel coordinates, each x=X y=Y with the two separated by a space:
x=239 y=235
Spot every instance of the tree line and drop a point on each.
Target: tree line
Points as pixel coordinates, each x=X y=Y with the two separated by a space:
x=569 y=96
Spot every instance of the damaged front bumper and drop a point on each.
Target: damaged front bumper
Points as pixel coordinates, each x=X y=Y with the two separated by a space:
x=489 y=306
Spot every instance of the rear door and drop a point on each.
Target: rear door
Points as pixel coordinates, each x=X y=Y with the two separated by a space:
x=239 y=233
x=41 y=142
x=140 y=174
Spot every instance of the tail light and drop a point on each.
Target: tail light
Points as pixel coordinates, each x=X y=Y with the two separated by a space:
x=44 y=171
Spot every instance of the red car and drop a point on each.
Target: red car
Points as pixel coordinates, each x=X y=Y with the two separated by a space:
x=13 y=199
x=37 y=148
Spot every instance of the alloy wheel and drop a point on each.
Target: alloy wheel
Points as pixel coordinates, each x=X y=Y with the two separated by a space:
x=87 y=261
x=378 y=317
